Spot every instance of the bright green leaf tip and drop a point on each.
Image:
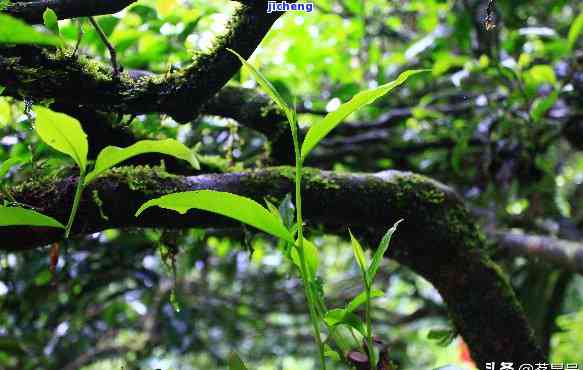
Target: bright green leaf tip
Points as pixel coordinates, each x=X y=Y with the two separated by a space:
x=17 y=216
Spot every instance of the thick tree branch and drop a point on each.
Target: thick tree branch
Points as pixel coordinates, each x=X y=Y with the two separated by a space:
x=38 y=73
x=563 y=253
x=438 y=240
x=257 y=112
x=32 y=11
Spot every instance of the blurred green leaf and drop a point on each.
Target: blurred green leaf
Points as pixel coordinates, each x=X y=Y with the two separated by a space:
x=62 y=133
x=445 y=61
x=235 y=362
x=11 y=162
x=17 y=216
x=231 y=205
x=331 y=354
x=11 y=345
x=444 y=337
x=575 y=31
x=541 y=106
x=15 y=31
x=43 y=278
x=537 y=76
x=112 y=155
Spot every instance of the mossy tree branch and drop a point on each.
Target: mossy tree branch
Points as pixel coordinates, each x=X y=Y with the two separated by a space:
x=438 y=239
x=41 y=74
x=32 y=11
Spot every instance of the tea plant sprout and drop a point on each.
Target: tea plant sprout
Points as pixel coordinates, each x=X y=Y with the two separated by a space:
x=302 y=252
x=65 y=134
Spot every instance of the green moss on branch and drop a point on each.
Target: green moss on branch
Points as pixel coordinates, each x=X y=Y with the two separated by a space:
x=438 y=239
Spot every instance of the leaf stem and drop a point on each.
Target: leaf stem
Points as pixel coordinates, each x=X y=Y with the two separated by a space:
x=304 y=267
x=78 y=192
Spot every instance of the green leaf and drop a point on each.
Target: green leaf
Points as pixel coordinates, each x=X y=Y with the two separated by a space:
x=286 y=211
x=235 y=362
x=2 y=88
x=11 y=162
x=51 y=21
x=113 y=155
x=43 y=278
x=340 y=316
x=360 y=299
x=345 y=338
x=354 y=321
x=537 y=76
x=4 y=4
x=15 y=31
x=319 y=130
x=575 y=31
x=331 y=354
x=444 y=337
x=312 y=257
x=267 y=87
x=17 y=216
x=273 y=209
x=334 y=316
x=62 y=133
x=380 y=253
x=359 y=255
x=541 y=106
x=231 y=205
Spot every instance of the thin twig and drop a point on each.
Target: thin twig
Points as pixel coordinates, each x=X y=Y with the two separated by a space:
x=79 y=37
x=112 y=52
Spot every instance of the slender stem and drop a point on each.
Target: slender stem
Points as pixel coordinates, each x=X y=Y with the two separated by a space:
x=371 y=353
x=304 y=266
x=78 y=192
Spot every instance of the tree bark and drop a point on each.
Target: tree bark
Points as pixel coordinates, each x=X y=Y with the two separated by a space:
x=438 y=238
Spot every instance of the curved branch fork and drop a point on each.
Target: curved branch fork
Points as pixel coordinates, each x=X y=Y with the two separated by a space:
x=438 y=238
